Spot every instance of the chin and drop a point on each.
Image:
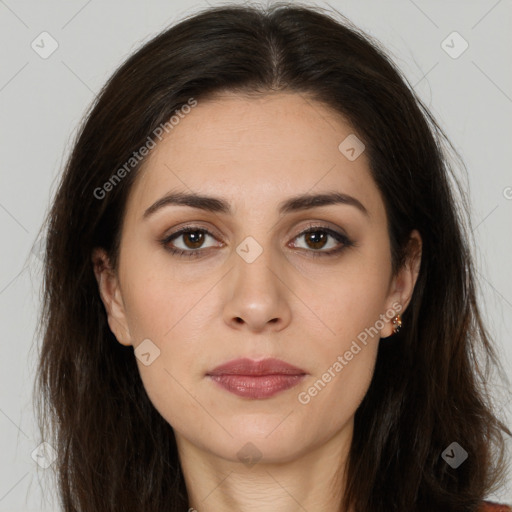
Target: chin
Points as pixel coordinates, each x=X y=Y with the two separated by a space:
x=265 y=442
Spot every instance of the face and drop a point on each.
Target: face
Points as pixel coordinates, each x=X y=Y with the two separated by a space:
x=310 y=284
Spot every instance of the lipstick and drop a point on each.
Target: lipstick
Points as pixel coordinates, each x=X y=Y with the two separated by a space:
x=256 y=379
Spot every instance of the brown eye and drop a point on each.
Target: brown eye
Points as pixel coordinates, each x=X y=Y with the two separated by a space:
x=317 y=238
x=193 y=239
x=192 y=243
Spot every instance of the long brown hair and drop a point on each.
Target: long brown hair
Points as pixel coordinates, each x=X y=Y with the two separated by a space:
x=114 y=450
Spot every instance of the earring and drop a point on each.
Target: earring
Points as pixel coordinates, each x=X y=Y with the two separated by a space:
x=397 y=323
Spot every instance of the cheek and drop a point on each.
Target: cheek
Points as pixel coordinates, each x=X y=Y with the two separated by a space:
x=347 y=302
x=157 y=301
x=356 y=310
x=333 y=395
x=343 y=353
x=345 y=347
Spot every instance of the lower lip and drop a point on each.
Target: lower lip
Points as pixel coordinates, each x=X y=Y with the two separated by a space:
x=260 y=386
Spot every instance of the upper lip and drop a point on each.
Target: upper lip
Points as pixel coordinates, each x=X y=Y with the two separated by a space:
x=245 y=366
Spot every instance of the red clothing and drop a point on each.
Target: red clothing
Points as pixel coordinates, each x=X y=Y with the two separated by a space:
x=487 y=506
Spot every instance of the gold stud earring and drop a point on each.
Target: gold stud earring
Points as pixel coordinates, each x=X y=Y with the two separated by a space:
x=397 y=323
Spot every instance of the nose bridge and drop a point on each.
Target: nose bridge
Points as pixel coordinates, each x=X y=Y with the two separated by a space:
x=255 y=264
x=257 y=295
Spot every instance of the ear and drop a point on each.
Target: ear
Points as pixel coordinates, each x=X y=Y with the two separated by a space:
x=110 y=293
x=402 y=284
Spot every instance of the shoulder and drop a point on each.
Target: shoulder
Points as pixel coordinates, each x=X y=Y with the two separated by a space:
x=488 y=506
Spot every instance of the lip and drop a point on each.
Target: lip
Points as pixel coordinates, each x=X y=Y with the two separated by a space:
x=245 y=366
x=256 y=379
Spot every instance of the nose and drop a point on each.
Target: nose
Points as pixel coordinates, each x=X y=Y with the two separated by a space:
x=257 y=297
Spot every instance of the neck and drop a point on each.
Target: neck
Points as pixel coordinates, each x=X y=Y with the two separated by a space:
x=313 y=479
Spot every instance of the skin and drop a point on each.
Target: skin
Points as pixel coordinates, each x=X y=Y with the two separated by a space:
x=305 y=310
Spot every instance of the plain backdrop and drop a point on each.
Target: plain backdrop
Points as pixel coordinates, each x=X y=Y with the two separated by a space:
x=43 y=99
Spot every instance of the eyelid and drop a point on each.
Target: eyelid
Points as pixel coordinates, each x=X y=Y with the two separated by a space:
x=190 y=228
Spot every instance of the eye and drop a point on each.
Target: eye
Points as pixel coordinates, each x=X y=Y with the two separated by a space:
x=317 y=237
x=193 y=239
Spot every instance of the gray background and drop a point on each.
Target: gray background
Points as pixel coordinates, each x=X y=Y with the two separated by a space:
x=43 y=100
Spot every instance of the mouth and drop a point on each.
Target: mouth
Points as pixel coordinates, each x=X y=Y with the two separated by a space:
x=256 y=379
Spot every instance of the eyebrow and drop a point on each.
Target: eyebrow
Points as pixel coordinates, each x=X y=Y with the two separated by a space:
x=219 y=205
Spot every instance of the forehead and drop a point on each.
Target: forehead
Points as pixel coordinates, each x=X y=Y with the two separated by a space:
x=264 y=148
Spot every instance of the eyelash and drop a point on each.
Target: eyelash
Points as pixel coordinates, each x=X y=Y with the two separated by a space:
x=340 y=237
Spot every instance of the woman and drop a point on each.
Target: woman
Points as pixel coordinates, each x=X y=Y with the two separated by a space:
x=258 y=289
